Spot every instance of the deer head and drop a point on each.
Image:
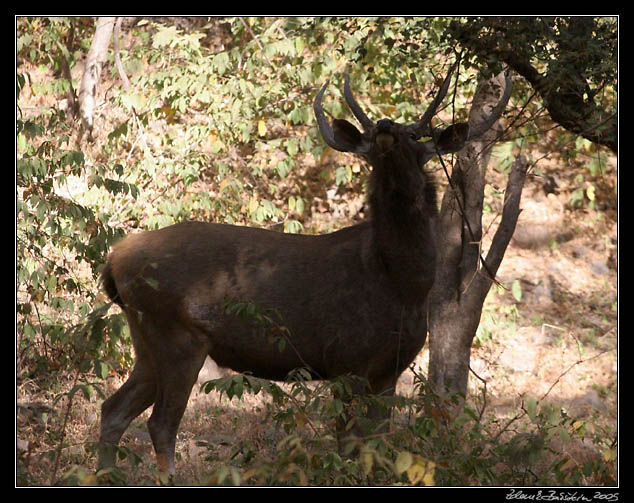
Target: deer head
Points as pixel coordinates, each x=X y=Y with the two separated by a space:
x=385 y=135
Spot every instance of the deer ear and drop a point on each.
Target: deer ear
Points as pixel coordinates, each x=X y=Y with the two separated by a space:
x=347 y=135
x=453 y=138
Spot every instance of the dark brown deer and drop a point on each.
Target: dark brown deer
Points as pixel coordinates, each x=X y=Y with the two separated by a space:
x=354 y=301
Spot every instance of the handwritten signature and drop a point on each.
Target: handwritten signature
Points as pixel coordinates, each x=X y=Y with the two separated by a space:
x=553 y=495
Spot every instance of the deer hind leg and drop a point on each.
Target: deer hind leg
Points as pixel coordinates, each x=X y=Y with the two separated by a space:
x=177 y=367
x=136 y=395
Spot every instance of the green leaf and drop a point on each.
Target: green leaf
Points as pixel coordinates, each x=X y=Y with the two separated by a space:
x=51 y=283
x=164 y=36
x=21 y=143
x=343 y=174
x=531 y=409
x=292 y=147
x=516 y=290
x=403 y=461
x=261 y=128
x=367 y=460
x=299 y=46
x=152 y=283
x=101 y=369
x=236 y=390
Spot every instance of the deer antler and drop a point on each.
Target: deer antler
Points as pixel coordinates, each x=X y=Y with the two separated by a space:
x=423 y=126
x=354 y=106
x=324 y=126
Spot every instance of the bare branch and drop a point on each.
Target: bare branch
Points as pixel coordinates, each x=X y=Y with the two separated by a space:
x=92 y=74
x=117 y=56
x=505 y=230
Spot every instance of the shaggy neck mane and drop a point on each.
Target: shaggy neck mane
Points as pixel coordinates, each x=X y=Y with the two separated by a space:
x=403 y=210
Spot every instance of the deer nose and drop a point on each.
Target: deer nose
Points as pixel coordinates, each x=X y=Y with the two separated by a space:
x=384 y=125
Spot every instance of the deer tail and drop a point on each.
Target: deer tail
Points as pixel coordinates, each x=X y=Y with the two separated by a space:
x=110 y=286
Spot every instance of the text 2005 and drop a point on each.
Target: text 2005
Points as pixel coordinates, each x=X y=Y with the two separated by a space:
x=606 y=496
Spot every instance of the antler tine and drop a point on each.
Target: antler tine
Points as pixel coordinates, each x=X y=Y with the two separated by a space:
x=322 y=121
x=495 y=114
x=423 y=126
x=363 y=119
x=324 y=125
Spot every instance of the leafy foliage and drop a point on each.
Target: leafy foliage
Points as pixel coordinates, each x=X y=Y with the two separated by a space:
x=570 y=62
x=56 y=236
x=423 y=447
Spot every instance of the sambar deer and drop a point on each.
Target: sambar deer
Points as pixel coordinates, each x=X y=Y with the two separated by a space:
x=353 y=301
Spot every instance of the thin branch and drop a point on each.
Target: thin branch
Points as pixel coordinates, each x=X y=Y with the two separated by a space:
x=523 y=413
x=578 y=362
x=58 y=450
x=257 y=41
x=510 y=214
x=484 y=393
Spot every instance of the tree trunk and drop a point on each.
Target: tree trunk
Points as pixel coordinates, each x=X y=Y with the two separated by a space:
x=463 y=276
x=92 y=73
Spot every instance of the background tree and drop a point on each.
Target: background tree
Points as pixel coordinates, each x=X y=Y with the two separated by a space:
x=464 y=274
x=571 y=62
x=92 y=71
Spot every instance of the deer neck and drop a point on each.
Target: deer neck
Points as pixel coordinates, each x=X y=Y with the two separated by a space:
x=403 y=211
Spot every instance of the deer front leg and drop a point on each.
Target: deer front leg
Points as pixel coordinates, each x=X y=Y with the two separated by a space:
x=363 y=413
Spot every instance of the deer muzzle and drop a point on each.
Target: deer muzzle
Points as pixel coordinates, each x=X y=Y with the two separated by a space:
x=384 y=141
x=384 y=137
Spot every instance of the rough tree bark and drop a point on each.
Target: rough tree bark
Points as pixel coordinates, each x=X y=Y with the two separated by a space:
x=463 y=276
x=92 y=73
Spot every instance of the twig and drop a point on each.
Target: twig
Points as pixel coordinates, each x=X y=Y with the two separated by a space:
x=578 y=362
x=248 y=28
x=58 y=451
x=554 y=327
x=126 y=85
x=524 y=412
x=39 y=321
x=509 y=423
x=484 y=393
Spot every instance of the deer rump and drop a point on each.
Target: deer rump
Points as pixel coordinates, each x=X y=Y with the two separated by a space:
x=322 y=294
